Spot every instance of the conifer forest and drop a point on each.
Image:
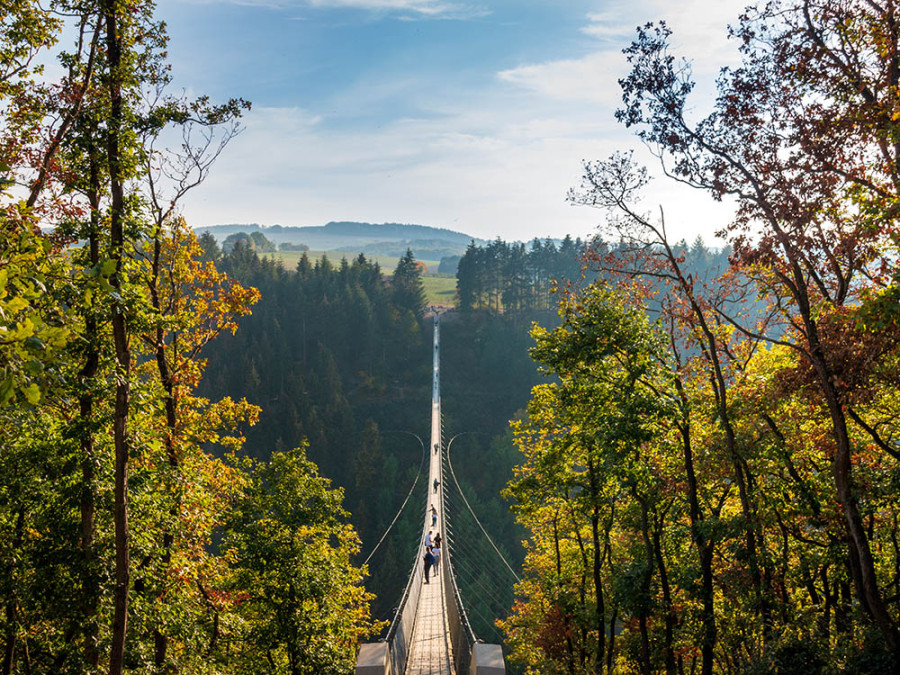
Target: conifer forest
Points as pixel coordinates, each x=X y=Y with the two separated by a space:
x=687 y=453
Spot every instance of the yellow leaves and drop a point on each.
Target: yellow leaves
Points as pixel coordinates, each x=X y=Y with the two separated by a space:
x=199 y=302
x=16 y=305
x=32 y=393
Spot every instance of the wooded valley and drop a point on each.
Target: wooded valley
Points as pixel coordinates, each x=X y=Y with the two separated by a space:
x=689 y=453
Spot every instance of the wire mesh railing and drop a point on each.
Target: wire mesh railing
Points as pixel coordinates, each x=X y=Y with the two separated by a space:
x=462 y=637
x=400 y=634
x=481 y=568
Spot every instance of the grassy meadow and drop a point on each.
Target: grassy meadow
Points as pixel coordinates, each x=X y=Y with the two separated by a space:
x=439 y=289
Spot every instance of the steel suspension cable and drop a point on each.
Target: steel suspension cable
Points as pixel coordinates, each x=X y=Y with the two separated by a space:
x=408 y=495
x=476 y=579
x=478 y=522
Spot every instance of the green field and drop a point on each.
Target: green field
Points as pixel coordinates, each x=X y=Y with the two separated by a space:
x=388 y=263
x=439 y=290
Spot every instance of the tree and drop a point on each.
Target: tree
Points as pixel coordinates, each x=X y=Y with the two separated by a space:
x=233 y=239
x=409 y=293
x=587 y=444
x=261 y=243
x=110 y=497
x=210 y=246
x=287 y=531
x=802 y=138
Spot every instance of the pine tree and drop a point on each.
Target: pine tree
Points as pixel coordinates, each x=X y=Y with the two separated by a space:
x=409 y=292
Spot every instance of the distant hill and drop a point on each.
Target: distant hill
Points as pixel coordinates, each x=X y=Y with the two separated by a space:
x=427 y=243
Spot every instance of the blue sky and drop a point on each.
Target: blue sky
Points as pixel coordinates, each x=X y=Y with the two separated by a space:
x=473 y=114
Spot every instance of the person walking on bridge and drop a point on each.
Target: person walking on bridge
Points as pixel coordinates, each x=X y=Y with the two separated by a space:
x=428 y=559
x=436 y=554
x=433 y=516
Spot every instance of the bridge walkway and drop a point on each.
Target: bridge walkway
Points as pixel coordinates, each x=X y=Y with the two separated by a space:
x=430 y=648
x=430 y=651
x=431 y=619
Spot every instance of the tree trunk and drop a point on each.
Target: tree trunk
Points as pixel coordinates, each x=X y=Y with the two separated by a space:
x=600 y=610
x=703 y=546
x=120 y=338
x=161 y=641
x=90 y=588
x=670 y=621
x=861 y=562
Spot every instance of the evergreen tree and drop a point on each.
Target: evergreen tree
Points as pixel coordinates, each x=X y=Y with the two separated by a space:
x=408 y=290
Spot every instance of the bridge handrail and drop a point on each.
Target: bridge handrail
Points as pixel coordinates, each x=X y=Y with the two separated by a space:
x=398 y=614
x=400 y=632
x=462 y=637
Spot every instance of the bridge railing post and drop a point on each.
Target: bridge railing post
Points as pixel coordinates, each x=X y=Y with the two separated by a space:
x=374 y=659
x=487 y=660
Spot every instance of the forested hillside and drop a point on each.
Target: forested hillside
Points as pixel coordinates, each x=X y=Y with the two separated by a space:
x=517 y=277
x=340 y=355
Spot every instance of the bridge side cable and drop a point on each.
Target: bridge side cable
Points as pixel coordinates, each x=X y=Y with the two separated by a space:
x=403 y=505
x=477 y=521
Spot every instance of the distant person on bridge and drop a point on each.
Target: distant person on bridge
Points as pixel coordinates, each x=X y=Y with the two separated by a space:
x=433 y=516
x=428 y=542
x=436 y=554
x=437 y=541
x=435 y=484
x=428 y=559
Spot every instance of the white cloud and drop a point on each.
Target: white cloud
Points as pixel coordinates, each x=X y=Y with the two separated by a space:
x=699 y=35
x=607 y=25
x=489 y=162
x=436 y=9
x=491 y=165
x=432 y=8
x=591 y=78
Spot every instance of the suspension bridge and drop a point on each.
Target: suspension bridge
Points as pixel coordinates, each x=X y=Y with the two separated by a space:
x=430 y=633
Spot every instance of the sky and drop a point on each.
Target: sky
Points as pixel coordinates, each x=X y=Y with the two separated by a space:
x=473 y=115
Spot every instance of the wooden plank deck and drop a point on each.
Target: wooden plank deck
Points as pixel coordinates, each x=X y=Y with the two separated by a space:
x=430 y=650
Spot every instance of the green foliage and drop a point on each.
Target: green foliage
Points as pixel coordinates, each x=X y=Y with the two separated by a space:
x=502 y=276
x=326 y=357
x=588 y=468
x=303 y=602
x=110 y=499
x=719 y=494
x=288 y=246
x=261 y=243
x=406 y=285
x=33 y=324
x=449 y=264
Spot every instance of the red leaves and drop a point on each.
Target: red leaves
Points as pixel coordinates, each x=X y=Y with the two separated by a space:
x=853 y=354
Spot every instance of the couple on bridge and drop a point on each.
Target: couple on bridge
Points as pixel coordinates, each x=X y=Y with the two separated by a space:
x=432 y=553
